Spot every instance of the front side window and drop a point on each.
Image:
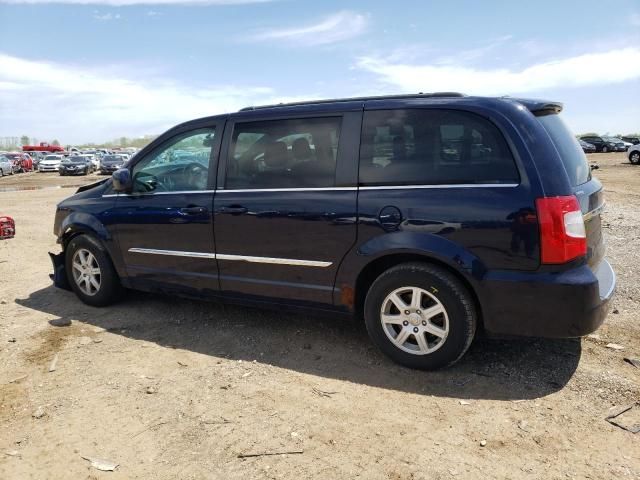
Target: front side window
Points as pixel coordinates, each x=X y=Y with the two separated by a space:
x=299 y=153
x=181 y=164
x=433 y=147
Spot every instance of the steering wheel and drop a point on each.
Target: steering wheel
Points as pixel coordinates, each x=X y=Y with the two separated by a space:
x=150 y=183
x=195 y=174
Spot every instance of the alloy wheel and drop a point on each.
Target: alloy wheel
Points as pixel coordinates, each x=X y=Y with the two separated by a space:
x=86 y=271
x=414 y=320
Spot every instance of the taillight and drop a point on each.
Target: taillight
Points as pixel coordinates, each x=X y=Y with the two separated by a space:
x=562 y=233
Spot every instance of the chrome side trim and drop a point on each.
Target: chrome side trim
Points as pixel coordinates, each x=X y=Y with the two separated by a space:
x=380 y=187
x=277 y=261
x=238 y=258
x=174 y=253
x=461 y=185
x=315 y=189
x=322 y=189
x=140 y=194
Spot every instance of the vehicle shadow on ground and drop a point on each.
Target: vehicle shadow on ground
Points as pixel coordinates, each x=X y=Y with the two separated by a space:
x=326 y=347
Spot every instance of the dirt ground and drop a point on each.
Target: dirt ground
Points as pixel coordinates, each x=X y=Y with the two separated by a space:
x=170 y=388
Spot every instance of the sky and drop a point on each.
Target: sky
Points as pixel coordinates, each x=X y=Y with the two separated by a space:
x=96 y=70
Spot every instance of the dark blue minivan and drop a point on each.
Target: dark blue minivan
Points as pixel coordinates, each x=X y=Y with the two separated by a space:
x=430 y=216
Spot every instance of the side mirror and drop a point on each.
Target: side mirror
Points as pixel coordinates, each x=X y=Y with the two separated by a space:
x=122 y=180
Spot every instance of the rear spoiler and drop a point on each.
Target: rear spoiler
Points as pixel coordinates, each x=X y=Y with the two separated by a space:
x=546 y=108
x=539 y=107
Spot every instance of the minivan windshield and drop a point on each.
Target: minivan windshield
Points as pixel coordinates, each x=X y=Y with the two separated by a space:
x=573 y=158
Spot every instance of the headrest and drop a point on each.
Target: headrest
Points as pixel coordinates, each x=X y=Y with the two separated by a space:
x=275 y=155
x=301 y=149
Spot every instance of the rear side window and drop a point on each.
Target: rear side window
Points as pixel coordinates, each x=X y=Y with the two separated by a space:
x=298 y=153
x=570 y=151
x=433 y=147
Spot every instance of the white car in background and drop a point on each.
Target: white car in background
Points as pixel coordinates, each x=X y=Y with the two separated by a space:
x=95 y=160
x=634 y=154
x=50 y=163
x=6 y=166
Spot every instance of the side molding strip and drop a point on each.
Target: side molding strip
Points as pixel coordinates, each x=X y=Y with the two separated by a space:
x=237 y=258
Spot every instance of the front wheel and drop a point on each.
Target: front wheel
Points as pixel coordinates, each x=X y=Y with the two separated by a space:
x=605 y=149
x=634 y=157
x=91 y=273
x=420 y=315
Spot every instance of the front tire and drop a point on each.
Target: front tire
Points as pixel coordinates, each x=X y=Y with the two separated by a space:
x=634 y=157
x=420 y=315
x=605 y=149
x=91 y=273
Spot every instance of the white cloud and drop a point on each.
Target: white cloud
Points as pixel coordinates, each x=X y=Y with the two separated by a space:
x=474 y=54
x=340 y=26
x=105 y=17
x=76 y=104
x=123 y=3
x=582 y=70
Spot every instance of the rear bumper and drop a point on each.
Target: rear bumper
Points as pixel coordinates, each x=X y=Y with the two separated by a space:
x=556 y=305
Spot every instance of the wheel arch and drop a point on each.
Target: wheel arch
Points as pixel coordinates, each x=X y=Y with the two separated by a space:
x=376 y=267
x=79 y=223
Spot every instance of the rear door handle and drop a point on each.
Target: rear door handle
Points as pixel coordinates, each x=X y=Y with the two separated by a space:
x=194 y=210
x=233 y=210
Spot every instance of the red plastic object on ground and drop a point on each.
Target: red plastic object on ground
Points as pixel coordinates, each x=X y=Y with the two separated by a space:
x=7 y=227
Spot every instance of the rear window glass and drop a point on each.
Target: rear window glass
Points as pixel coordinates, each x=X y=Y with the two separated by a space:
x=433 y=147
x=295 y=153
x=571 y=154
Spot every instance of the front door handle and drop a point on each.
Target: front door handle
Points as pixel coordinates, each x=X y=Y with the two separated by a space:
x=233 y=210
x=194 y=210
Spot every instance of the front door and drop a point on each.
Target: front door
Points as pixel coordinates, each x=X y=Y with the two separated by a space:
x=165 y=225
x=284 y=218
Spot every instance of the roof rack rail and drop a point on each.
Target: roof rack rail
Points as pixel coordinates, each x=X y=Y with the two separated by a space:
x=356 y=99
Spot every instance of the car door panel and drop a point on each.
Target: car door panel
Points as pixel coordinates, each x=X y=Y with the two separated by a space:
x=166 y=236
x=286 y=244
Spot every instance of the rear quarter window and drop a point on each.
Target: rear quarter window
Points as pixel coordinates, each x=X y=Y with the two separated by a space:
x=433 y=147
x=569 y=149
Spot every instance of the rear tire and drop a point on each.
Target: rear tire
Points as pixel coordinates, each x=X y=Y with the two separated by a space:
x=420 y=315
x=605 y=149
x=91 y=273
x=634 y=157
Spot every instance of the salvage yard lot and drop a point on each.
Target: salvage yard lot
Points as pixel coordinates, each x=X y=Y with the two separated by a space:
x=172 y=388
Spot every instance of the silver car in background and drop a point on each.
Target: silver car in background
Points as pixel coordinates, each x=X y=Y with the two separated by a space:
x=6 y=166
x=50 y=163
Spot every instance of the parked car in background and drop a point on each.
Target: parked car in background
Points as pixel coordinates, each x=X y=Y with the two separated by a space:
x=6 y=166
x=37 y=157
x=50 y=163
x=634 y=154
x=587 y=147
x=22 y=162
x=111 y=163
x=603 y=144
x=427 y=244
x=94 y=158
x=631 y=140
x=619 y=144
x=76 y=165
x=626 y=144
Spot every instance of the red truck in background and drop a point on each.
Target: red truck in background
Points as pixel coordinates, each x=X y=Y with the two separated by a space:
x=43 y=147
